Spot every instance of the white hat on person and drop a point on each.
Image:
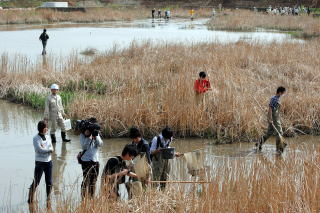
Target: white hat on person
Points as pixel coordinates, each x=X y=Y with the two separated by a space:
x=54 y=86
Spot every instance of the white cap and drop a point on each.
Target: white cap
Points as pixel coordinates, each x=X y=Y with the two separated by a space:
x=54 y=86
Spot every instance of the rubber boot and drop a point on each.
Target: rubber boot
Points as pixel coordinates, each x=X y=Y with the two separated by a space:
x=53 y=138
x=64 y=137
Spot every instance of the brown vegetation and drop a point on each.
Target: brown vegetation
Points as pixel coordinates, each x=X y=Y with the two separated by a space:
x=152 y=86
x=90 y=16
x=258 y=184
x=244 y=20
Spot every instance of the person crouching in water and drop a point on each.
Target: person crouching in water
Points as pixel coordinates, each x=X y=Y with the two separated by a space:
x=201 y=86
x=160 y=166
x=115 y=171
x=274 y=127
x=91 y=142
x=54 y=114
x=43 y=149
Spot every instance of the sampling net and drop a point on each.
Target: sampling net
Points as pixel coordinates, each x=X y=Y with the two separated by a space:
x=141 y=167
x=195 y=161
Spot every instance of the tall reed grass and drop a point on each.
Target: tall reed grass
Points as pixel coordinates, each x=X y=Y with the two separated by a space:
x=244 y=20
x=263 y=183
x=151 y=86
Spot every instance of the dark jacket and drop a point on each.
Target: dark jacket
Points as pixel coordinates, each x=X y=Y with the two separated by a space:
x=44 y=37
x=143 y=147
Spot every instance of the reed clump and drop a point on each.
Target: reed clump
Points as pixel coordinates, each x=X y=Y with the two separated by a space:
x=243 y=20
x=151 y=86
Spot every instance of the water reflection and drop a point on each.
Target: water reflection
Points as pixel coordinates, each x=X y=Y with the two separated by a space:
x=18 y=126
x=104 y=36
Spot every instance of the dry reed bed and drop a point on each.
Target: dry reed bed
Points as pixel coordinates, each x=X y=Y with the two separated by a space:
x=243 y=20
x=152 y=86
x=264 y=183
x=91 y=15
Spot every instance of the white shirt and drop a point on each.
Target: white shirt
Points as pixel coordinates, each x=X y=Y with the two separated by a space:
x=165 y=143
x=42 y=148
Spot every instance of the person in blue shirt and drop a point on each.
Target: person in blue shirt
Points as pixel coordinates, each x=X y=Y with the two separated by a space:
x=91 y=143
x=274 y=122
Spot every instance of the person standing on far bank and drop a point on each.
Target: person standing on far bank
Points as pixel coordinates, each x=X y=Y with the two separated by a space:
x=43 y=149
x=274 y=122
x=44 y=38
x=54 y=113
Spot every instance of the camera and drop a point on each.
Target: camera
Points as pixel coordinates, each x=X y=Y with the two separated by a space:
x=89 y=124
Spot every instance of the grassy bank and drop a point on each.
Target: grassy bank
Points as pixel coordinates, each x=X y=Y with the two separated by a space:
x=143 y=87
x=254 y=184
x=92 y=15
x=302 y=26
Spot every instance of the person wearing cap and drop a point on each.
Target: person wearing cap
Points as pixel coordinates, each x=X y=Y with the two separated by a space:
x=54 y=113
x=160 y=166
x=44 y=38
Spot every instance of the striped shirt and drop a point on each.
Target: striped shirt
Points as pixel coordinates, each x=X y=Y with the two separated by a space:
x=275 y=102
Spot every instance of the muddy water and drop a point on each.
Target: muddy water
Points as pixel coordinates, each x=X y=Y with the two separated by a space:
x=67 y=38
x=18 y=126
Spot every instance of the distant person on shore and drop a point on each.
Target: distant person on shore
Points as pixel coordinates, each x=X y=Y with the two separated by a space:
x=159 y=13
x=201 y=86
x=153 y=13
x=308 y=11
x=43 y=162
x=116 y=170
x=274 y=127
x=54 y=113
x=91 y=142
x=191 y=13
x=44 y=38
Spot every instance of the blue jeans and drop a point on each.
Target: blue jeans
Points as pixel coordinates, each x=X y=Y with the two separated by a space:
x=40 y=168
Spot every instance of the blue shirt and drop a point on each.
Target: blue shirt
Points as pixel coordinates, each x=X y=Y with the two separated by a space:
x=275 y=102
x=92 y=147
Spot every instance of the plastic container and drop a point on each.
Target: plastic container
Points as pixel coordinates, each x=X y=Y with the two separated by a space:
x=167 y=153
x=67 y=124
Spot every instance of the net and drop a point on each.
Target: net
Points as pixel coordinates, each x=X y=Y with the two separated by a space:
x=141 y=167
x=195 y=161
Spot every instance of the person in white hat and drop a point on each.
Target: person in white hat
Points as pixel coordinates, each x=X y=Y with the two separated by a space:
x=54 y=114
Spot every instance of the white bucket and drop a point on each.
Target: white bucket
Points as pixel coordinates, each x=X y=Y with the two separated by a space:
x=67 y=124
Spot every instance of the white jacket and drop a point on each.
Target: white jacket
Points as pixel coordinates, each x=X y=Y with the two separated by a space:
x=42 y=148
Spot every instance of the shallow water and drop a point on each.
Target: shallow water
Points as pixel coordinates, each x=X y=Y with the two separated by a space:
x=18 y=126
x=69 y=38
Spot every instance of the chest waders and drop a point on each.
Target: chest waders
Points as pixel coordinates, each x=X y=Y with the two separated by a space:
x=160 y=169
x=271 y=129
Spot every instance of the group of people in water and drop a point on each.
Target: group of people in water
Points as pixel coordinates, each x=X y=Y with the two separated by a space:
x=116 y=169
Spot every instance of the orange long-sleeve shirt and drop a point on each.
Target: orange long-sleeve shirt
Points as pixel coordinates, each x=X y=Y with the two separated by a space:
x=202 y=86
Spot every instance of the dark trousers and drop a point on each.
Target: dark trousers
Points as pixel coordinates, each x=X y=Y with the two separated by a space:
x=44 y=45
x=41 y=167
x=90 y=172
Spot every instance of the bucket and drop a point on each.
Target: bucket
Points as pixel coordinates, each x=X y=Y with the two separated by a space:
x=67 y=124
x=167 y=153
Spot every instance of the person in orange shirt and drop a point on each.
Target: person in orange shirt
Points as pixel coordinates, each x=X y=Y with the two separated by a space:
x=201 y=86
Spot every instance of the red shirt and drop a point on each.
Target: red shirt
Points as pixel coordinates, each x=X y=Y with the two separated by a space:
x=201 y=86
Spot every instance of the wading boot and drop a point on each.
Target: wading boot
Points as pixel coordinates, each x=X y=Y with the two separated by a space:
x=53 y=138
x=64 y=137
x=31 y=195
